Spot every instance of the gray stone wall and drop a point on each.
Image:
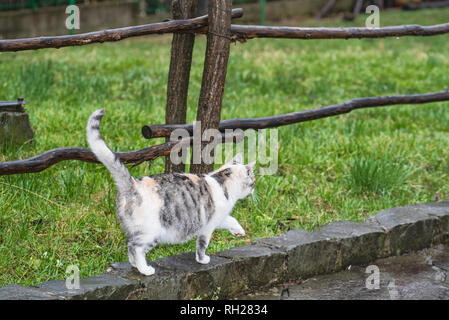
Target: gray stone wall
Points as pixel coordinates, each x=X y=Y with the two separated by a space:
x=295 y=255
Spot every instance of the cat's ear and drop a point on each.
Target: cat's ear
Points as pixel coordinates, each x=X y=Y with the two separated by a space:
x=238 y=159
x=251 y=165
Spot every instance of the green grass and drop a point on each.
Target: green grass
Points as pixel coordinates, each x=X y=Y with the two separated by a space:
x=378 y=176
x=339 y=168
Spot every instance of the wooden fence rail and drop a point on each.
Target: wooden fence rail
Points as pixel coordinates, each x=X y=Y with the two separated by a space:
x=163 y=130
x=223 y=31
x=186 y=25
x=238 y=33
x=51 y=157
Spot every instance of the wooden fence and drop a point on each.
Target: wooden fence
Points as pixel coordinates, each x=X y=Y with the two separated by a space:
x=220 y=33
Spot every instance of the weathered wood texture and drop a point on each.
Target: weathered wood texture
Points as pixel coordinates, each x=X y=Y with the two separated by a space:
x=238 y=33
x=109 y=35
x=245 y=32
x=214 y=73
x=357 y=7
x=179 y=72
x=155 y=131
x=51 y=157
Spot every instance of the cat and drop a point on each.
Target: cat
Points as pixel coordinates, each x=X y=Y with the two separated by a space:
x=172 y=207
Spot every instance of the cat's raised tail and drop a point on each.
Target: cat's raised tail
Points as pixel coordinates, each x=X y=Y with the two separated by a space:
x=123 y=179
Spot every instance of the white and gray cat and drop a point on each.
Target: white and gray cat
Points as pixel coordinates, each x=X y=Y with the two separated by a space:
x=172 y=207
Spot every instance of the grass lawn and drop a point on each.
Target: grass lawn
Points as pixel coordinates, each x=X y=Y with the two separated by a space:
x=339 y=168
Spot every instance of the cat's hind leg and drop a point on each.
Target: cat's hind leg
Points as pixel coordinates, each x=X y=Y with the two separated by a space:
x=231 y=224
x=131 y=257
x=139 y=256
x=201 y=245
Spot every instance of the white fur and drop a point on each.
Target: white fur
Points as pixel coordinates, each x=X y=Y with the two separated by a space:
x=145 y=221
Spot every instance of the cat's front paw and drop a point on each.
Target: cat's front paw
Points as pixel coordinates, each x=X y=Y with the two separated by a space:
x=238 y=232
x=204 y=260
x=147 y=270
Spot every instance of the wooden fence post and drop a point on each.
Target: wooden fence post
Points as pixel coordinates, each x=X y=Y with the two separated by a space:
x=214 y=72
x=179 y=73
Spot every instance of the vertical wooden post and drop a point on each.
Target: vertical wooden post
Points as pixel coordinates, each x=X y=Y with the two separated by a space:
x=214 y=72
x=357 y=8
x=325 y=9
x=179 y=73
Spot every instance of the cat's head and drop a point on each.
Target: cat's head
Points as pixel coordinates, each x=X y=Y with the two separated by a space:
x=238 y=178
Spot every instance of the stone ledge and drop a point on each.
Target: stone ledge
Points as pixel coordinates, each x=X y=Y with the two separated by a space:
x=441 y=211
x=16 y=292
x=308 y=253
x=408 y=228
x=296 y=254
x=358 y=243
x=256 y=267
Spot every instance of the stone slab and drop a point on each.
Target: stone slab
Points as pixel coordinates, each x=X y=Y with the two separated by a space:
x=359 y=242
x=202 y=281
x=257 y=266
x=412 y=276
x=408 y=228
x=308 y=253
x=163 y=285
x=293 y=257
x=16 y=292
x=439 y=210
x=105 y=286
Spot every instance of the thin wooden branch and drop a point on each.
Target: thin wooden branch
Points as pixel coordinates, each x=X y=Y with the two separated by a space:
x=51 y=157
x=238 y=33
x=245 y=32
x=155 y=131
x=109 y=35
